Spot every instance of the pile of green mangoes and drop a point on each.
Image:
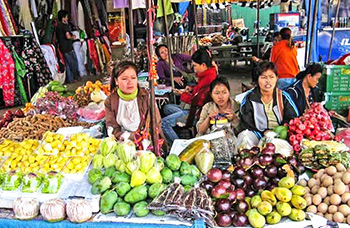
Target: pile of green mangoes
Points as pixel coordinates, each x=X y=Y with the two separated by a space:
x=284 y=200
x=122 y=191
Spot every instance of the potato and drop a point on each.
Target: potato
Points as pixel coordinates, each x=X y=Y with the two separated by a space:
x=312 y=182
x=322 y=207
x=316 y=199
x=314 y=189
x=330 y=190
x=344 y=209
x=331 y=170
x=332 y=209
x=335 y=199
x=338 y=217
x=340 y=167
x=345 y=197
x=339 y=188
x=322 y=191
x=312 y=209
x=327 y=181
x=346 y=178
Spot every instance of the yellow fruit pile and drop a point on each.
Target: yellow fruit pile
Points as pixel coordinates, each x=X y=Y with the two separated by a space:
x=91 y=87
x=81 y=144
x=25 y=163
x=77 y=165
x=54 y=163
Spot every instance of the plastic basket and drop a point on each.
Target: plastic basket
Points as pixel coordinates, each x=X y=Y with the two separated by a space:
x=336 y=79
x=338 y=101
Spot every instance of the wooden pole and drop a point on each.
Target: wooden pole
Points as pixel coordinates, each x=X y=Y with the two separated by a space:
x=170 y=48
x=307 y=34
x=131 y=30
x=258 y=27
x=313 y=29
x=153 y=126
x=195 y=22
x=333 y=32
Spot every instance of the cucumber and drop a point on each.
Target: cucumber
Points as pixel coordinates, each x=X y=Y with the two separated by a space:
x=59 y=88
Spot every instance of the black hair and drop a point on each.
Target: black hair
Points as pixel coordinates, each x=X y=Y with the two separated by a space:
x=219 y=81
x=261 y=68
x=276 y=34
x=286 y=34
x=61 y=14
x=201 y=56
x=311 y=69
x=119 y=69
x=236 y=29
x=158 y=48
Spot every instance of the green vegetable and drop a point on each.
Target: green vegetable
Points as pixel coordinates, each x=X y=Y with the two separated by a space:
x=140 y=209
x=120 y=166
x=108 y=145
x=108 y=199
x=167 y=175
x=58 y=88
x=187 y=188
x=195 y=171
x=158 y=212
x=155 y=189
x=31 y=183
x=122 y=188
x=132 y=166
x=122 y=209
x=94 y=189
x=104 y=184
x=2 y=176
x=126 y=151
x=173 y=162
x=94 y=175
x=136 y=194
x=120 y=177
x=185 y=168
x=97 y=161
x=281 y=131
x=109 y=172
x=160 y=163
x=153 y=176
x=52 y=183
x=137 y=178
x=110 y=160
x=12 y=181
x=188 y=180
x=147 y=161
x=175 y=174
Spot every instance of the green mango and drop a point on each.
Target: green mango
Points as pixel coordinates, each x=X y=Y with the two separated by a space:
x=122 y=209
x=160 y=163
x=188 y=180
x=120 y=166
x=147 y=161
x=108 y=199
x=176 y=174
x=155 y=189
x=110 y=171
x=137 y=178
x=173 y=162
x=120 y=177
x=167 y=175
x=136 y=194
x=94 y=175
x=185 y=169
x=140 y=209
x=122 y=188
x=95 y=189
x=158 y=212
x=187 y=188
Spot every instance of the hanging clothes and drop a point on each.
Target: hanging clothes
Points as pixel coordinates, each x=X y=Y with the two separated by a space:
x=117 y=4
x=101 y=7
x=81 y=19
x=74 y=12
x=93 y=54
x=25 y=17
x=7 y=21
x=20 y=75
x=49 y=52
x=77 y=46
x=35 y=62
x=7 y=75
x=101 y=56
x=168 y=8
x=33 y=8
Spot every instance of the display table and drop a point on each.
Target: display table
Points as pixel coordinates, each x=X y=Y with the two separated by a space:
x=4 y=223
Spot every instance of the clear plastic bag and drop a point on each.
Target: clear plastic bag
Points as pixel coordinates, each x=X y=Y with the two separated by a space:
x=93 y=111
x=224 y=147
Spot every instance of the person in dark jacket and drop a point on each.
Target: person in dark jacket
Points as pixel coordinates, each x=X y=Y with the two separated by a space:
x=266 y=107
x=305 y=91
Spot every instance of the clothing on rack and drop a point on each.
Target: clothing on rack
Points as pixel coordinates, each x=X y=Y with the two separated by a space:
x=49 y=52
x=7 y=75
x=25 y=17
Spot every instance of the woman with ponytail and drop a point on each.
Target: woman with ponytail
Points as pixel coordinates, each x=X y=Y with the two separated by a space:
x=304 y=92
x=128 y=106
x=284 y=56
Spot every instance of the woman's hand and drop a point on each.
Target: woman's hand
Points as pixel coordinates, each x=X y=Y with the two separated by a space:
x=179 y=80
x=231 y=116
x=177 y=91
x=188 y=89
x=212 y=114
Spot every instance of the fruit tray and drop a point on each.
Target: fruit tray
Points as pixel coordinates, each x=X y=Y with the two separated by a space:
x=51 y=144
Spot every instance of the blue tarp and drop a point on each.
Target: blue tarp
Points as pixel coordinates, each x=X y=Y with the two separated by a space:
x=10 y=223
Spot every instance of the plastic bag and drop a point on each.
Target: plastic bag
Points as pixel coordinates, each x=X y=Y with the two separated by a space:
x=224 y=147
x=344 y=135
x=282 y=146
x=246 y=139
x=93 y=111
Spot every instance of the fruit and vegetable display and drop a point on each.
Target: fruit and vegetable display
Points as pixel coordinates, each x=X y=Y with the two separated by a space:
x=205 y=41
x=315 y=124
x=91 y=92
x=327 y=193
x=218 y=39
x=55 y=105
x=321 y=154
x=9 y=116
x=34 y=127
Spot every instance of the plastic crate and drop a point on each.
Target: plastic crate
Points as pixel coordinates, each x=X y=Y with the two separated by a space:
x=338 y=101
x=335 y=79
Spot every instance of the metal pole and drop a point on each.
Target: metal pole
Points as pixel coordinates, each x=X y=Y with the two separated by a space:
x=153 y=125
x=258 y=27
x=307 y=34
x=333 y=32
x=131 y=30
x=312 y=29
x=195 y=22
x=169 y=45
